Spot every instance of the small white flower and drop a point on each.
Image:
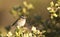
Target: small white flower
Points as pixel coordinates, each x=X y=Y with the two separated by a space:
x=34 y=29
x=49 y=8
x=55 y=15
x=56 y=4
x=52 y=4
x=9 y=34
x=29 y=6
x=30 y=34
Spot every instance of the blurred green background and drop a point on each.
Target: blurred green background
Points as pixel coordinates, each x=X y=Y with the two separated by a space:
x=6 y=5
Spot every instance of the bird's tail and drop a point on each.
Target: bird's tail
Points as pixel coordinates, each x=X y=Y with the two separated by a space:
x=8 y=28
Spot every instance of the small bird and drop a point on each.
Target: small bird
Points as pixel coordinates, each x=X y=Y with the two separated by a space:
x=20 y=22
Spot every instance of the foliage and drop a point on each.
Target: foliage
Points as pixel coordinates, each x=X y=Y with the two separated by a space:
x=52 y=25
x=25 y=32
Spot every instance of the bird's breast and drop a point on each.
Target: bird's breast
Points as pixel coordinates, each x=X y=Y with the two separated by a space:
x=21 y=22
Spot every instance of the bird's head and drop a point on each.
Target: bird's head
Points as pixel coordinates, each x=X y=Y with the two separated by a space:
x=23 y=17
